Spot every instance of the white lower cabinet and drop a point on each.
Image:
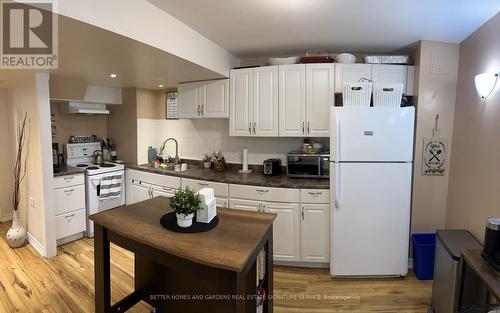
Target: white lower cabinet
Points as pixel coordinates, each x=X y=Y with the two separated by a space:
x=315 y=233
x=301 y=230
x=246 y=205
x=286 y=230
x=69 y=207
x=143 y=185
x=136 y=192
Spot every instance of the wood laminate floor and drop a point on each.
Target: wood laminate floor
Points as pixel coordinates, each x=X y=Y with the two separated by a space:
x=65 y=283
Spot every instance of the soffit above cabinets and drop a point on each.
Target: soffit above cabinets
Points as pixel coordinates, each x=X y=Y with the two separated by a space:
x=90 y=54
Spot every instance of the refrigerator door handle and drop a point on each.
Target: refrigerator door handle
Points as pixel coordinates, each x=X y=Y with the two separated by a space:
x=337 y=135
x=337 y=185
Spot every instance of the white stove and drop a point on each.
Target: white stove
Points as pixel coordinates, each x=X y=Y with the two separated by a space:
x=81 y=155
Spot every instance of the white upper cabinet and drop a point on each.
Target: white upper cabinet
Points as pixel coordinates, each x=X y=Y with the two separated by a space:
x=265 y=101
x=206 y=99
x=254 y=102
x=292 y=100
x=389 y=74
x=189 y=100
x=215 y=99
x=320 y=95
x=241 y=102
x=351 y=73
x=410 y=81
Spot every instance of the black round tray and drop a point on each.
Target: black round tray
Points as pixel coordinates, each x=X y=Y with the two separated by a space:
x=169 y=221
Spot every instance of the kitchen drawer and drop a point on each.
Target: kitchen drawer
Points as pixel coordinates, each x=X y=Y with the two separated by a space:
x=69 y=199
x=68 y=181
x=71 y=223
x=264 y=193
x=155 y=179
x=220 y=189
x=315 y=196
x=222 y=202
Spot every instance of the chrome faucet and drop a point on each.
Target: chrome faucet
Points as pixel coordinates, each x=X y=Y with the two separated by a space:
x=176 y=149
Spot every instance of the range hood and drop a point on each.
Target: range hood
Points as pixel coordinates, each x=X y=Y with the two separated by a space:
x=80 y=107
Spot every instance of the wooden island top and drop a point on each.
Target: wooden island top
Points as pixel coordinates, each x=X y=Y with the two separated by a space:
x=228 y=246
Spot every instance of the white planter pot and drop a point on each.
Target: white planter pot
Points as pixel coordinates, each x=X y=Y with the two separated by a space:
x=16 y=235
x=207 y=164
x=184 y=221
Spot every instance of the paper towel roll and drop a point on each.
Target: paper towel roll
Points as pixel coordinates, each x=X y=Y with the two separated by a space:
x=245 y=159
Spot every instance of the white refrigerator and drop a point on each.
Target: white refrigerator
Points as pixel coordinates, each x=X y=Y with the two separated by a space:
x=370 y=185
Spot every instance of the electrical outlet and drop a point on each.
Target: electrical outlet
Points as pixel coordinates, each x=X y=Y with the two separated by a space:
x=32 y=202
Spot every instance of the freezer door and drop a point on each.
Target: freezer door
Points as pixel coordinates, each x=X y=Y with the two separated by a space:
x=370 y=219
x=372 y=134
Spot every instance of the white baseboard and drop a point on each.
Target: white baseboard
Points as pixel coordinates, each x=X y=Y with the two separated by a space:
x=36 y=245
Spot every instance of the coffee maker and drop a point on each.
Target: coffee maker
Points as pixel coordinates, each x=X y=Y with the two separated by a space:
x=491 y=251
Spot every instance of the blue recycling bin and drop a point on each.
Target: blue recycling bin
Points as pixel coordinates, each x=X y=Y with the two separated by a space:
x=424 y=247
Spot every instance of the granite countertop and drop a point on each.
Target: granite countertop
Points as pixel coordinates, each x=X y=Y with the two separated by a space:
x=68 y=170
x=255 y=178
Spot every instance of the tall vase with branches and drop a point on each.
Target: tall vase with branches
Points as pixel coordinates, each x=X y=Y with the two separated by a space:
x=16 y=235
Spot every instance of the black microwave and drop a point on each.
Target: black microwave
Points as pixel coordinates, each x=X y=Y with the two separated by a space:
x=307 y=165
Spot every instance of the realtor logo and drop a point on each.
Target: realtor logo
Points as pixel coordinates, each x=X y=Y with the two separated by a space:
x=28 y=35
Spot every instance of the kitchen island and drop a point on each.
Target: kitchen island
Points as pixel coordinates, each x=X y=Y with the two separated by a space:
x=214 y=271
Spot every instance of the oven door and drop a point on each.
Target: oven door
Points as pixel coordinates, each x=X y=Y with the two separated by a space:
x=299 y=165
x=94 y=203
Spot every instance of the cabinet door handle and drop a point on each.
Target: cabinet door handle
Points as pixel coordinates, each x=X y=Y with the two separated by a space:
x=262 y=190
x=68 y=192
x=68 y=179
x=250 y=128
x=308 y=130
x=198 y=110
x=202 y=109
x=254 y=125
x=302 y=213
x=203 y=184
x=69 y=217
x=303 y=128
x=314 y=194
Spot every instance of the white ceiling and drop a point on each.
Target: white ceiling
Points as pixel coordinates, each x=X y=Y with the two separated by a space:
x=90 y=53
x=253 y=28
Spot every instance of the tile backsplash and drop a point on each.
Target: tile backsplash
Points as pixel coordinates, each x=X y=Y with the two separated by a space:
x=197 y=137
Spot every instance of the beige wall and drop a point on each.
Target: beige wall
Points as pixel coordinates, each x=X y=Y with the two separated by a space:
x=437 y=65
x=76 y=124
x=475 y=169
x=122 y=126
x=150 y=104
x=6 y=165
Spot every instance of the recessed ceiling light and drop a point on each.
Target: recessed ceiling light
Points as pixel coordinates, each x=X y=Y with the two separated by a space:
x=113 y=75
x=160 y=86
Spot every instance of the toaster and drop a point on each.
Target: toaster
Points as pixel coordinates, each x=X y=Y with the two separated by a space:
x=491 y=251
x=272 y=167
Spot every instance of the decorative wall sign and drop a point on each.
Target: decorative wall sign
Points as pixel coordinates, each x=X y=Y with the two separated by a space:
x=434 y=153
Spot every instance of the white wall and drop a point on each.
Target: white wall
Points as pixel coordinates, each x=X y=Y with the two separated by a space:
x=197 y=137
x=144 y=22
x=437 y=67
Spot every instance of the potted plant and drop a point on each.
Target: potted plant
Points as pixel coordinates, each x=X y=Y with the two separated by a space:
x=185 y=203
x=207 y=160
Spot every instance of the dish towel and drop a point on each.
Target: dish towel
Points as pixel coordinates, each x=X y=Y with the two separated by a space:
x=111 y=187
